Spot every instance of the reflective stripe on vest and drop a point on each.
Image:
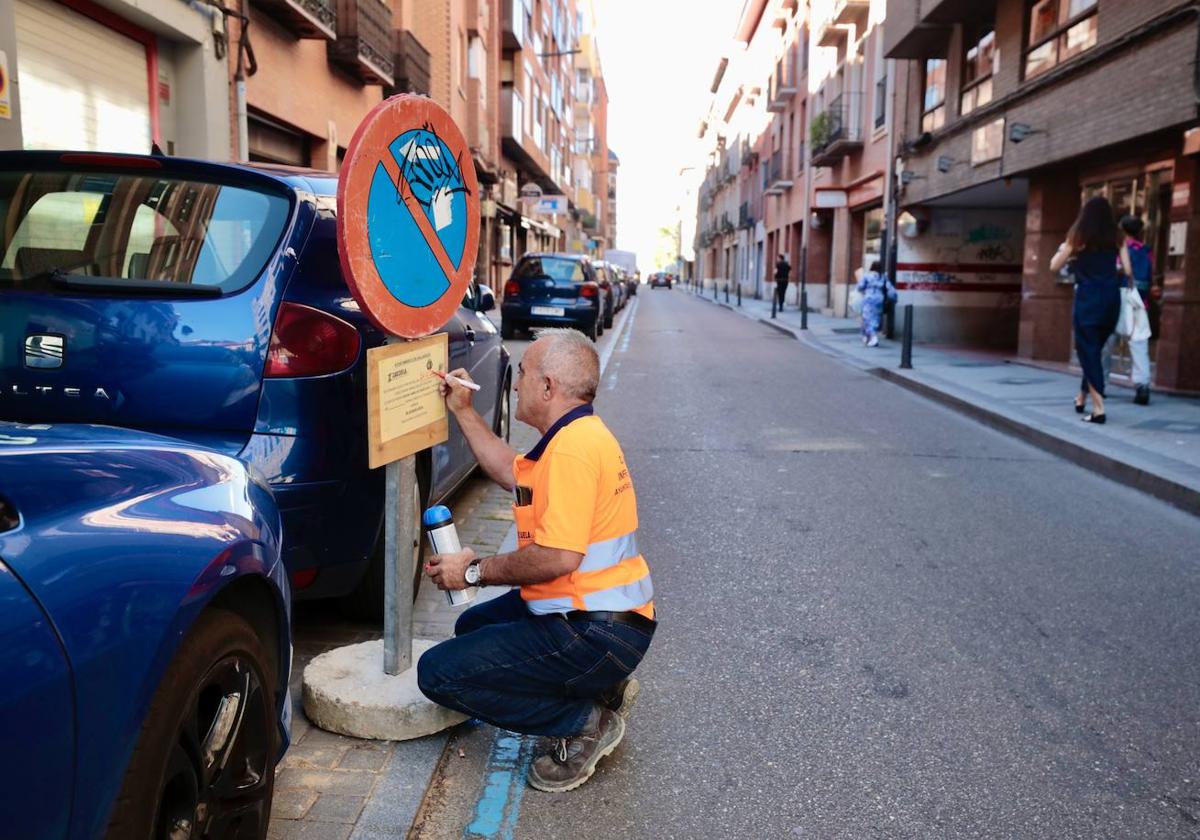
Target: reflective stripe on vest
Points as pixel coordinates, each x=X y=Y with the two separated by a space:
x=612 y=576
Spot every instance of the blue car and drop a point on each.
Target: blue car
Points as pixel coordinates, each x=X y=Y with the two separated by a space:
x=144 y=609
x=205 y=302
x=556 y=290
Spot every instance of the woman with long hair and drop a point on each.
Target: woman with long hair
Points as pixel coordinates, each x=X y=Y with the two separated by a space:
x=1093 y=245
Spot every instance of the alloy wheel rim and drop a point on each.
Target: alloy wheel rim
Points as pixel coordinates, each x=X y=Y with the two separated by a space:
x=217 y=783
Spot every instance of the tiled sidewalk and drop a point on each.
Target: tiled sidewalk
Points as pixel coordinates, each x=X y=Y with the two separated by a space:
x=330 y=787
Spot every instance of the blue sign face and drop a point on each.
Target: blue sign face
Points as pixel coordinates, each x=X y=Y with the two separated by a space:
x=405 y=252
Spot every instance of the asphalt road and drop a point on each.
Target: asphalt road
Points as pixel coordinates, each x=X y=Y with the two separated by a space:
x=878 y=619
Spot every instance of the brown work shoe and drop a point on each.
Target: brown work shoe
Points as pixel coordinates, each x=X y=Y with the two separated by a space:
x=620 y=697
x=572 y=761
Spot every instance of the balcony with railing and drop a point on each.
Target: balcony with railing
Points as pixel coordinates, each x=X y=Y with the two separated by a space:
x=365 y=46
x=785 y=81
x=837 y=131
x=514 y=141
x=851 y=13
x=779 y=173
x=411 y=66
x=512 y=24
x=304 y=18
x=745 y=220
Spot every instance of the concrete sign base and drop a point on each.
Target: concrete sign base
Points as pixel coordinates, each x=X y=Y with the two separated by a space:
x=345 y=691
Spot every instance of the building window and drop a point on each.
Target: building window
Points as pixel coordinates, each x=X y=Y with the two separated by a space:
x=880 y=83
x=1058 y=30
x=987 y=142
x=934 y=104
x=979 y=64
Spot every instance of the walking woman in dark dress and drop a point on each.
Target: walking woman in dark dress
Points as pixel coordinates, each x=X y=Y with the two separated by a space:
x=1094 y=244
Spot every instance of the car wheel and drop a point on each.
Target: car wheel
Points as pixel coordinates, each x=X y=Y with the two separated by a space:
x=593 y=332
x=507 y=330
x=365 y=603
x=503 y=425
x=204 y=764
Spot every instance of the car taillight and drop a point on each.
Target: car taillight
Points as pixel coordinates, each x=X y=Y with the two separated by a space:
x=309 y=342
x=589 y=290
x=512 y=287
x=303 y=578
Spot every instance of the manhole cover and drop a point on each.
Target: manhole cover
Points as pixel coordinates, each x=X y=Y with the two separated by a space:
x=1176 y=426
x=847 y=330
x=973 y=364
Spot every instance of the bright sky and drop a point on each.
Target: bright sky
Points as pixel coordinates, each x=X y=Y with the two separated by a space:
x=659 y=58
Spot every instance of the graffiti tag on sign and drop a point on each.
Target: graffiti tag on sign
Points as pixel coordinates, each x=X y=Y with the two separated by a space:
x=408 y=216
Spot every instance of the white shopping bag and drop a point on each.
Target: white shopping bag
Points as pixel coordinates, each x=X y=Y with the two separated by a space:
x=1134 y=323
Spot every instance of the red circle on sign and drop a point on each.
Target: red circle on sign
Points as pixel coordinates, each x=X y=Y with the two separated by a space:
x=363 y=237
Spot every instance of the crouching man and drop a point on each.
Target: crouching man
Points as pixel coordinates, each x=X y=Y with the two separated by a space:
x=553 y=657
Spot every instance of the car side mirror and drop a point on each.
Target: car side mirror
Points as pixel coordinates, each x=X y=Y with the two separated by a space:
x=487 y=299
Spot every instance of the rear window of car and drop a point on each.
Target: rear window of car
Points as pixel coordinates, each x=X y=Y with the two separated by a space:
x=554 y=268
x=140 y=230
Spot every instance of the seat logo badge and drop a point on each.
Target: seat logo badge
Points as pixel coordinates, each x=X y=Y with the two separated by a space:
x=44 y=351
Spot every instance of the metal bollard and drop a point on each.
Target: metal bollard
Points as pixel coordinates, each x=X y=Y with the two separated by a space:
x=727 y=293
x=804 y=310
x=739 y=294
x=906 y=347
x=774 y=300
x=716 y=292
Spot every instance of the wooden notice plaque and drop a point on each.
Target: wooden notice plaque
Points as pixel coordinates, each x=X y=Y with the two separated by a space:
x=405 y=409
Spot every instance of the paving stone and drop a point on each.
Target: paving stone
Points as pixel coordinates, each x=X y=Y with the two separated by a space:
x=348 y=782
x=365 y=758
x=291 y=830
x=291 y=804
x=332 y=807
x=315 y=757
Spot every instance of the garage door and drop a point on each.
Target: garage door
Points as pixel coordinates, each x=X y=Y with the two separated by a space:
x=82 y=85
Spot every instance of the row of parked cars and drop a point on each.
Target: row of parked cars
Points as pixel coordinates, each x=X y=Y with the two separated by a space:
x=556 y=290
x=182 y=452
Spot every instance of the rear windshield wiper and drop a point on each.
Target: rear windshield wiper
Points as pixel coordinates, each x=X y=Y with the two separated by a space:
x=83 y=283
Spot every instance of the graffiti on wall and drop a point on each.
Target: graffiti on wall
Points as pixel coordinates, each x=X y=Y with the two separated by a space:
x=965 y=250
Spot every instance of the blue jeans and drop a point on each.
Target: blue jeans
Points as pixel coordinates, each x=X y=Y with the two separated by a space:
x=534 y=674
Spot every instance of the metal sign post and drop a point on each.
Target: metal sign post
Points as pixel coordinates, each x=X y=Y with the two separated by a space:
x=402 y=536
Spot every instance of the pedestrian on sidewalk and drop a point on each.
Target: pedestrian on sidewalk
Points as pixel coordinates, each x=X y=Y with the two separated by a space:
x=1142 y=262
x=783 y=271
x=876 y=290
x=1092 y=248
x=553 y=657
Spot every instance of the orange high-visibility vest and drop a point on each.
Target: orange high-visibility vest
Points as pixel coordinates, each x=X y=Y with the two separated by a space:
x=583 y=501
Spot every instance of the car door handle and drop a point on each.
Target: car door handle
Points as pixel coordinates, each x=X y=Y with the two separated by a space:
x=470 y=335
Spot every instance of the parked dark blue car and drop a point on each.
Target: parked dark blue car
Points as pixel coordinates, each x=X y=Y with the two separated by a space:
x=145 y=613
x=205 y=301
x=556 y=290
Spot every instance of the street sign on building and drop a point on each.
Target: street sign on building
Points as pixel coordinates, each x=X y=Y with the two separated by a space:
x=531 y=191
x=550 y=204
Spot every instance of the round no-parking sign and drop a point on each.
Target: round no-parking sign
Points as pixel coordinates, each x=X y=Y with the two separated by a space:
x=408 y=216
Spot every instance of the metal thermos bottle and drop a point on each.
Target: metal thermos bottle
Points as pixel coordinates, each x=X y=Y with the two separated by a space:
x=443 y=539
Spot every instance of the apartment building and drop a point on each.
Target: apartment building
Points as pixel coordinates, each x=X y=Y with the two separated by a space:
x=850 y=146
x=1019 y=111
x=798 y=138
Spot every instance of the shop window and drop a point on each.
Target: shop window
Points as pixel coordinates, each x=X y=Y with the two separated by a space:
x=934 y=102
x=979 y=65
x=880 y=113
x=1058 y=31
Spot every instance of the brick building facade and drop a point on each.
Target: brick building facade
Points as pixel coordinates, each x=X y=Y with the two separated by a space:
x=1033 y=107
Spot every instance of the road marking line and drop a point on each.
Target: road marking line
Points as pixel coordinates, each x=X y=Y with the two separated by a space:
x=612 y=345
x=499 y=804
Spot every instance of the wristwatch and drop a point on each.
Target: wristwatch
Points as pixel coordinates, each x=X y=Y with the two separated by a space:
x=472 y=573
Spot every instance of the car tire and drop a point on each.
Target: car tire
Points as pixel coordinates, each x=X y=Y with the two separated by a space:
x=608 y=320
x=593 y=332
x=365 y=602
x=503 y=425
x=507 y=330
x=169 y=775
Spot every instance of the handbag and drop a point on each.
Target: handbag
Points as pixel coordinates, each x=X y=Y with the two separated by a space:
x=856 y=300
x=1134 y=322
